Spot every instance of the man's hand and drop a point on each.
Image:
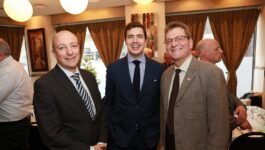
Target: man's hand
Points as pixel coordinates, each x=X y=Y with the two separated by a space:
x=245 y=125
x=100 y=146
x=241 y=114
x=160 y=147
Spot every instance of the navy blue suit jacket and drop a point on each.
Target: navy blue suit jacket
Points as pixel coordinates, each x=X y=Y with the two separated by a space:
x=125 y=110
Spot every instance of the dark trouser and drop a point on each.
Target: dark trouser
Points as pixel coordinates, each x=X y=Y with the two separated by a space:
x=170 y=141
x=14 y=135
x=136 y=143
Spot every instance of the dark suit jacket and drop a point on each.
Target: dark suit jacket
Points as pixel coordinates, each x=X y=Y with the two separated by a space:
x=62 y=118
x=125 y=110
x=233 y=102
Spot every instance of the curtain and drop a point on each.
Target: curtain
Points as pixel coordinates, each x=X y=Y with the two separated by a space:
x=14 y=37
x=196 y=23
x=108 y=38
x=80 y=32
x=233 y=30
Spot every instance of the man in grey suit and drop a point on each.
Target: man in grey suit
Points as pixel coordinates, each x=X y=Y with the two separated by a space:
x=196 y=118
x=67 y=102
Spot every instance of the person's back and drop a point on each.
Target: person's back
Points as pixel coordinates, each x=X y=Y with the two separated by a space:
x=15 y=101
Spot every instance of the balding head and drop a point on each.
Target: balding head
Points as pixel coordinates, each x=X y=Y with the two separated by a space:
x=209 y=50
x=66 y=50
x=61 y=34
x=4 y=47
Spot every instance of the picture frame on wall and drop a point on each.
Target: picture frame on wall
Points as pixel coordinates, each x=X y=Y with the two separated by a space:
x=38 y=62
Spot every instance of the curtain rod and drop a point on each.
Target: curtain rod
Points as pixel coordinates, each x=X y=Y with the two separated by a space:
x=215 y=10
x=92 y=21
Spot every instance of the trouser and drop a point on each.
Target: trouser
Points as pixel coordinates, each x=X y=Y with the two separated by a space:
x=136 y=143
x=14 y=135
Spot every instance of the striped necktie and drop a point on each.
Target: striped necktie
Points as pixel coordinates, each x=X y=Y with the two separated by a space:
x=84 y=95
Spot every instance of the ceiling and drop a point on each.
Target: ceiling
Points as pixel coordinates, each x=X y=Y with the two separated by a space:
x=50 y=7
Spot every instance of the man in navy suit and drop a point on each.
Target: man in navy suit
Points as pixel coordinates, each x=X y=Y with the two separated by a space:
x=68 y=120
x=132 y=98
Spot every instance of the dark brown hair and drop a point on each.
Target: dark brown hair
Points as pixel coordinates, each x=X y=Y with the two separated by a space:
x=134 y=24
x=178 y=24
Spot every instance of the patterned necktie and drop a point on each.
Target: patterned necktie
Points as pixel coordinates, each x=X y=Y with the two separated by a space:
x=84 y=95
x=172 y=100
x=136 y=76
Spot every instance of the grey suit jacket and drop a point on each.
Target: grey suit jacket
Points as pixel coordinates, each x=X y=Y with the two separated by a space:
x=201 y=116
x=63 y=120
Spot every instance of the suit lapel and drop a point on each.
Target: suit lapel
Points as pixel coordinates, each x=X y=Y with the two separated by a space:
x=168 y=75
x=147 y=75
x=125 y=76
x=65 y=82
x=189 y=77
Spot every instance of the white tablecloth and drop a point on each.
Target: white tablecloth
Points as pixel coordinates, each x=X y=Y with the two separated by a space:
x=256 y=118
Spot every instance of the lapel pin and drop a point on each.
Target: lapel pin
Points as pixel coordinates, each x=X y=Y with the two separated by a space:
x=188 y=79
x=154 y=80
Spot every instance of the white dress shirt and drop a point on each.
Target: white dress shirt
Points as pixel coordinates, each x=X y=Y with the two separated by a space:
x=16 y=91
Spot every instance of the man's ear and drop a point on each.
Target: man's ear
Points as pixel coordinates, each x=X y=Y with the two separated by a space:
x=204 y=53
x=1 y=55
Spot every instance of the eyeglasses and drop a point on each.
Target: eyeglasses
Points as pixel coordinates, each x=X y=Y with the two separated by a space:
x=180 y=38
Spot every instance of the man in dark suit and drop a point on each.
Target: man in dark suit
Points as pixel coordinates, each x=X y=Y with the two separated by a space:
x=132 y=96
x=197 y=117
x=67 y=102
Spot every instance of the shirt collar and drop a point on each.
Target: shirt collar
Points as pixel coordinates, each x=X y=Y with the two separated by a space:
x=141 y=58
x=5 y=61
x=185 y=65
x=67 y=72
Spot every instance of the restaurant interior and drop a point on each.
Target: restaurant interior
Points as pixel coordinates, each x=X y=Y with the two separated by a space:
x=242 y=20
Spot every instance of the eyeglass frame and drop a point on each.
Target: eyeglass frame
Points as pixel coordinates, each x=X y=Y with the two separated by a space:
x=179 y=38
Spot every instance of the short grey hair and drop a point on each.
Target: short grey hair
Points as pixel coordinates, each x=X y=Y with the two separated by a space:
x=4 y=47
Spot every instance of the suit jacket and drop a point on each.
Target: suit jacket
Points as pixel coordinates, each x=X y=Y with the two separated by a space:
x=125 y=110
x=201 y=116
x=62 y=117
x=233 y=103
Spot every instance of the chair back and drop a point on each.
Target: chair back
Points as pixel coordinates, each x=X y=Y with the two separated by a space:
x=248 y=141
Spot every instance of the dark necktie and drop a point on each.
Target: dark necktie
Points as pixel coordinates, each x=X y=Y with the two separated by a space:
x=136 y=76
x=172 y=100
x=84 y=95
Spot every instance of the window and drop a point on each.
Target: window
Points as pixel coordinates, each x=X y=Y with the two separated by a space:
x=23 y=56
x=244 y=71
x=92 y=60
